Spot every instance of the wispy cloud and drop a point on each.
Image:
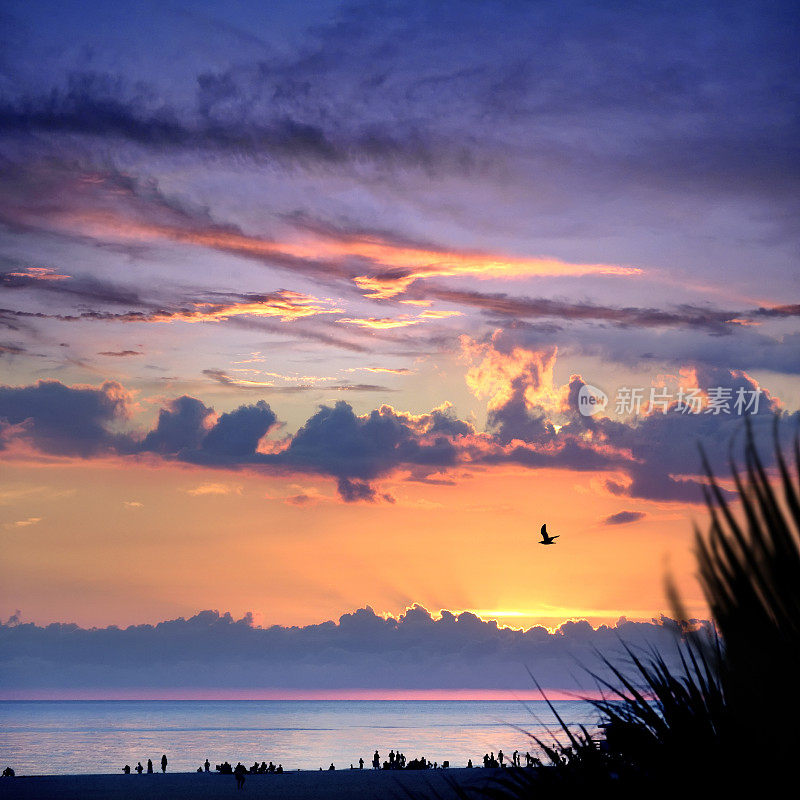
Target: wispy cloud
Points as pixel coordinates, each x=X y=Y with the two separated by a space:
x=404 y=268
x=389 y=370
x=402 y=321
x=381 y=268
x=270 y=387
x=380 y=323
x=283 y=304
x=688 y=316
x=214 y=489
x=24 y=523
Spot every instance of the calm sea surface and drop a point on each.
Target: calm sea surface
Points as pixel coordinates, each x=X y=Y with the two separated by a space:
x=46 y=737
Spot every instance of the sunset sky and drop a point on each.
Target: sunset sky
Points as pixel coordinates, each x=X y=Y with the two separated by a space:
x=297 y=301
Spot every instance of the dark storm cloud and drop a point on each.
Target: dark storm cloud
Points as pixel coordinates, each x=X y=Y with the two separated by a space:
x=338 y=442
x=658 y=452
x=361 y=650
x=180 y=427
x=186 y=430
x=358 y=450
x=236 y=434
x=64 y=420
x=624 y=517
x=665 y=446
x=355 y=450
x=354 y=491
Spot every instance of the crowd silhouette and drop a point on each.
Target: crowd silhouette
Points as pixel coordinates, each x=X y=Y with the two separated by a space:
x=394 y=761
x=139 y=769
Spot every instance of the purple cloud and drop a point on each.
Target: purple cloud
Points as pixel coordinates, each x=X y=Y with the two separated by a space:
x=363 y=650
x=624 y=517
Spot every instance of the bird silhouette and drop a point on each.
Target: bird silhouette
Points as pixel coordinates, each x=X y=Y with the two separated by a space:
x=546 y=539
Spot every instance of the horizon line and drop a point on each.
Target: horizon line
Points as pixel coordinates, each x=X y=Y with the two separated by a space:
x=271 y=694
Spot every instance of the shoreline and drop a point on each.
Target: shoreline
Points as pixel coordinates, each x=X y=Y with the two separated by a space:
x=292 y=785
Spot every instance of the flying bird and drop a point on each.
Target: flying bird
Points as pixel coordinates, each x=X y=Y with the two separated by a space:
x=546 y=539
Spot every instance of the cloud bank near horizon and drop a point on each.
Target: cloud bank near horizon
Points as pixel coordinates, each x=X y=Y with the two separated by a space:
x=362 y=650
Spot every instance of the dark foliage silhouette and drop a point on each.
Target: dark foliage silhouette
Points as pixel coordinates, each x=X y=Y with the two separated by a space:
x=725 y=720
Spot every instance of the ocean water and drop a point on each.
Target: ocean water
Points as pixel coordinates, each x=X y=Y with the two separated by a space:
x=72 y=737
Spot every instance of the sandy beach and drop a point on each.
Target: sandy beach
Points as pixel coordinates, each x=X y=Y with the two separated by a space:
x=300 y=785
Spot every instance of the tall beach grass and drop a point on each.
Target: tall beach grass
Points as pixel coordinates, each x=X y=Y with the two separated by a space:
x=722 y=719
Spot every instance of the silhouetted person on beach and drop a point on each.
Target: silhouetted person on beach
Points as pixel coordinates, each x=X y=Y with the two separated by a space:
x=469 y=763
x=376 y=761
x=149 y=766
x=127 y=769
x=164 y=763
x=279 y=770
x=331 y=767
x=8 y=772
x=207 y=765
x=239 y=774
x=139 y=768
x=361 y=763
x=500 y=757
